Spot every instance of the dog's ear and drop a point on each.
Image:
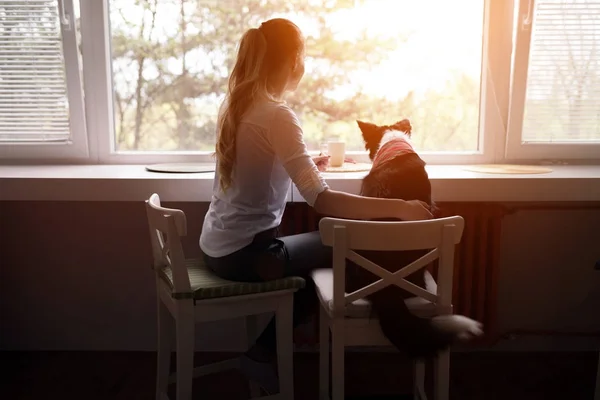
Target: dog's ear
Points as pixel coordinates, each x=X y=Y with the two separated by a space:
x=403 y=126
x=371 y=134
x=367 y=128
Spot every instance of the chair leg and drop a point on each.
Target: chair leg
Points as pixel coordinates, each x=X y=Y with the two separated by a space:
x=419 y=380
x=285 y=346
x=442 y=375
x=597 y=394
x=337 y=359
x=251 y=334
x=323 y=354
x=185 y=349
x=163 y=359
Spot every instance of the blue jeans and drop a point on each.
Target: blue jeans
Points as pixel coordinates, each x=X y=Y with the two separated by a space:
x=268 y=258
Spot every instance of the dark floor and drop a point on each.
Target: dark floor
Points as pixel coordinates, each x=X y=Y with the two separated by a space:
x=123 y=375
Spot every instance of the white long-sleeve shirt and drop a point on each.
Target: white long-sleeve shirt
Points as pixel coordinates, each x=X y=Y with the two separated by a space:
x=270 y=154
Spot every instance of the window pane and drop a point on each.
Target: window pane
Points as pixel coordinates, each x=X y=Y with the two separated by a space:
x=375 y=60
x=34 y=107
x=563 y=83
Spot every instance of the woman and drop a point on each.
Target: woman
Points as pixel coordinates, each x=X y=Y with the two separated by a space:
x=260 y=148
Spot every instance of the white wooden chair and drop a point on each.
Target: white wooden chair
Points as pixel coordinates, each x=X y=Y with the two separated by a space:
x=347 y=315
x=189 y=293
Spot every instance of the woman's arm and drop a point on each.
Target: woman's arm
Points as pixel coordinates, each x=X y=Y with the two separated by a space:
x=287 y=141
x=346 y=205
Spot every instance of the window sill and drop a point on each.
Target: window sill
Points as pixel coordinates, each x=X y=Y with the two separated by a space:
x=134 y=183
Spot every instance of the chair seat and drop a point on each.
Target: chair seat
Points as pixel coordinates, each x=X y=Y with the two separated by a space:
x=206 y=285
x=362 y=308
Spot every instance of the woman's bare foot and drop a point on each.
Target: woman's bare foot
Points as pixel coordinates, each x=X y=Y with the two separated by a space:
x=262 y=373
x=257 y=364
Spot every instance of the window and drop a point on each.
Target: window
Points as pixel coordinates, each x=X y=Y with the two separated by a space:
x=166 y=63
x=555 y=104
x=41 y=97
x=481 y=80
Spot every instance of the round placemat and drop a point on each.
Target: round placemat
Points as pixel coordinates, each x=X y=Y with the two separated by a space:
x=508 y=169
x=350 y=167
x=181 y=167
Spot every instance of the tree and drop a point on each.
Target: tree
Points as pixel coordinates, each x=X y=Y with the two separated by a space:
x=170 y=77
x=182 y=103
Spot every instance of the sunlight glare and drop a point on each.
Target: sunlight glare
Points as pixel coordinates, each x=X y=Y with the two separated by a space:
x=435 y=38
x=439 y=37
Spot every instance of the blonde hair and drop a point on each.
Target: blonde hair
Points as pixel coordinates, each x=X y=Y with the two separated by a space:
x=261 y=53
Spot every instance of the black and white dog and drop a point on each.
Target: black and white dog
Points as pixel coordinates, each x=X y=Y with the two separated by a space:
x=399 y=172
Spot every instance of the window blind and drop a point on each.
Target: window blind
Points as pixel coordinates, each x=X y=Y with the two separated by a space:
x=563 y=82
x=34 y=104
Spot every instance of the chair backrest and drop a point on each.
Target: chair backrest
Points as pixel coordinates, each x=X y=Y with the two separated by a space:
x=440 y=236
x=167 y=226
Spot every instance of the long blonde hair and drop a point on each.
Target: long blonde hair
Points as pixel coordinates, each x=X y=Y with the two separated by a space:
x=262 y=52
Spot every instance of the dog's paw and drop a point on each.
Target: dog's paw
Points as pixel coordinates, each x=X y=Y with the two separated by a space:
x=463 y=328
x=430 y=283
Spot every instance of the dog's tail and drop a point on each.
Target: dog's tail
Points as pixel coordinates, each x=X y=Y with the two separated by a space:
x=418 y=337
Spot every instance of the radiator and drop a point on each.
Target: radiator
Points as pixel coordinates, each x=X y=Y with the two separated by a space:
x=477 y=255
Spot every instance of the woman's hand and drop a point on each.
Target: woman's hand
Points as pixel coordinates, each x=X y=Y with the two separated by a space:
x=322 y=162
x=350 y=206
x=415 y=210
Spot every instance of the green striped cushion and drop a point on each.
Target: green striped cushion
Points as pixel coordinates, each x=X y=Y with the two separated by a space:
x=206 y=285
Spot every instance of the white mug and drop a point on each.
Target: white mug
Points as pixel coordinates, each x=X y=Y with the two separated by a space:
x=337 y=153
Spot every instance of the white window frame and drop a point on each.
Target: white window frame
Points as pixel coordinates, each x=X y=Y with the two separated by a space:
x=516 y=149
x=77 y=148
x=97 y=76
x=495 y=80
x=494 y=94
